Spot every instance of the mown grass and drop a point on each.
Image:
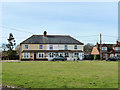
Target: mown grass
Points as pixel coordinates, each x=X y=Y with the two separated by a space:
x=90 y=74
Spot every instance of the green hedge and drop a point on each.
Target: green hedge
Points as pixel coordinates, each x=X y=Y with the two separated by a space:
x=96 y=57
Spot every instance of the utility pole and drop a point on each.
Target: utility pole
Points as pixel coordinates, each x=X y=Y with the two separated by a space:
x=100 y=46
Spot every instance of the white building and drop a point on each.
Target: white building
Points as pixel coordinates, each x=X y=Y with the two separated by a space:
x=46 y=47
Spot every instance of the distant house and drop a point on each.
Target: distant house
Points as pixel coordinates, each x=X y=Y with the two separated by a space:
x=46 y=47
x=107 y=50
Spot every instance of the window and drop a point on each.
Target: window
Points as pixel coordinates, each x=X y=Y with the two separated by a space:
x=76 y=54
x=66 y=47
x=66 y=54
x=41 y=47
x=51 y=54
x=117 y=48
x=26 y=55
x=111 y=55
x=105 y=55
x=40 y=55
x=104 y=48
x=117 y=55
x=56 y=54
x=75 y=47
x=51 y=47
x=26 y=46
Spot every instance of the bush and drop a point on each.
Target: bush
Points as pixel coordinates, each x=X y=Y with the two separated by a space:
x=12 y=55
x=96 y=57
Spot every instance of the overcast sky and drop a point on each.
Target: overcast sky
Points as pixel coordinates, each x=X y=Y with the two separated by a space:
x=82 y=20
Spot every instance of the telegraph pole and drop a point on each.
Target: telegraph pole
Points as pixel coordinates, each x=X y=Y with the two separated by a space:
x=100 y=46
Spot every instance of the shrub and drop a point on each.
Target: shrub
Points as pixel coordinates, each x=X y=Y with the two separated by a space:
x=96 y=57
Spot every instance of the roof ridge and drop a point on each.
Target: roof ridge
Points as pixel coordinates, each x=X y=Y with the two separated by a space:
x=52 y=35
x=61 y=39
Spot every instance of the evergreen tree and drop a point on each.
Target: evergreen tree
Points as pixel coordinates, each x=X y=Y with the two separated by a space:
x=11 y=44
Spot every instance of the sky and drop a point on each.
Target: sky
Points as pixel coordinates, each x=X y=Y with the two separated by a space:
x=82 y=20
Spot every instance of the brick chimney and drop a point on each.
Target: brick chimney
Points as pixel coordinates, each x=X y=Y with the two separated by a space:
x=45 y=33
x=97 y=44
x=117 y=42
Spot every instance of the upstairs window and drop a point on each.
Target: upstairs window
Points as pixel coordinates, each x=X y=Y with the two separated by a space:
x=75 y=47
x=117 y=48
x=104 y=48
x=26 y=46
x=41 y=47
x=66 y=47
x=51 y=47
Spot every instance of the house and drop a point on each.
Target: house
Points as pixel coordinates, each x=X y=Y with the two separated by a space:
x=46 y=47
x=107 y=50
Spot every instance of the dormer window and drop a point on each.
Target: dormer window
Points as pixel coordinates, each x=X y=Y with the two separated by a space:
x=104 y=48
x=117 y=48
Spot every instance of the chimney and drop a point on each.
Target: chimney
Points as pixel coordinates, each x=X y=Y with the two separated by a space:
x=97 y=44
x=116 y=42
x=45 y=33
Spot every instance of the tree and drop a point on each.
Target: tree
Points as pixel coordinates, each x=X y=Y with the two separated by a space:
x=11 y=44
x=4 y=50
x=88 y=48
x=17 y=49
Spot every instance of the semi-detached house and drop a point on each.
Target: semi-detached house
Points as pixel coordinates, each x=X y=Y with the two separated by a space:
x=46 y=47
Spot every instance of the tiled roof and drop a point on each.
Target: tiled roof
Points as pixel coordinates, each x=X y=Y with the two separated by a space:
x=51 y=39
x=109 y=47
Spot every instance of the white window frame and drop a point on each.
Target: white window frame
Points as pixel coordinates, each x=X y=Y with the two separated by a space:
x=111 y=55
x=66 y=54
x=26 y=55
x=41 y=54
x=104 y=48
x=117 y=54
x=25 y=47
x=51 y=54
x=66 y=47
x=105 y=55
x=51 y=47
x=76 y=54
x=117 y=48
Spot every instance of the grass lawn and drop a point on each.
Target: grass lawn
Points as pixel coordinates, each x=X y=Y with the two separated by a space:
x=48 y=74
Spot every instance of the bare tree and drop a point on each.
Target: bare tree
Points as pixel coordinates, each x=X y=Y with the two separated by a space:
x=88 y=48
x=17 y=49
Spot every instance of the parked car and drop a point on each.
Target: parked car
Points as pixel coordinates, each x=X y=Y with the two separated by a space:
x=112 y=59
x=59 y=59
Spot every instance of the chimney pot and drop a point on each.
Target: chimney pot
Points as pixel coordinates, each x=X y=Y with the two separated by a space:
x=97 y=44
x=45 y=33
x=116 y=42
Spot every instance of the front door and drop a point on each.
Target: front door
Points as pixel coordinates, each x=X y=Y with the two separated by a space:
x=34 y=56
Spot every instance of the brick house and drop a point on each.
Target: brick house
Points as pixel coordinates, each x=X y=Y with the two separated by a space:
x=46 y=47
x=107 y=50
